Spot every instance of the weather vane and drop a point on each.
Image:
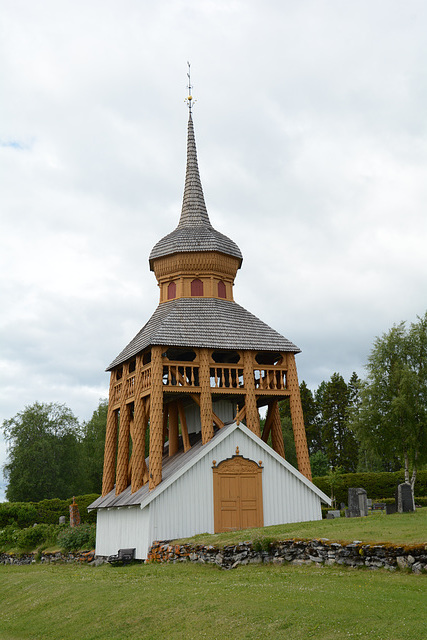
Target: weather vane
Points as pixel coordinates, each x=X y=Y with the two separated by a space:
x=189 y=100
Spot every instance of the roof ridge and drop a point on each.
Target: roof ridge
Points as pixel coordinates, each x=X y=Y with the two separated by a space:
x=193 y=210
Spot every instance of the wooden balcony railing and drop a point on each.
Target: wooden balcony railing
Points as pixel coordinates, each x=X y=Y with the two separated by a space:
x=270 y=379
x=183 y=375
x=180 y=375
x=226 y=376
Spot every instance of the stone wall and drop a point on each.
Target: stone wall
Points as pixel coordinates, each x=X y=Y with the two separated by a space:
x=46 y=558
x=297 y=552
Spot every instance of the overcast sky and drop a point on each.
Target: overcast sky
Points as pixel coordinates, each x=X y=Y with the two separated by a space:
x=310 y=125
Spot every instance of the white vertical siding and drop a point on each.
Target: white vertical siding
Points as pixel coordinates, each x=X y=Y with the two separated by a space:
x=186 y=507
x=123 y=528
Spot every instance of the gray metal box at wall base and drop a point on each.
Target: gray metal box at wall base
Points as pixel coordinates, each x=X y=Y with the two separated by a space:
x=404 y=498
x=357 y=503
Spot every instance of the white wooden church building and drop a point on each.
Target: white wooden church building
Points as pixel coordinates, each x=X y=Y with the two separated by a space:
x=191 y=383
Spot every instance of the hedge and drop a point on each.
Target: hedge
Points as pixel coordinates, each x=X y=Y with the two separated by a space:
x=25 y=514
x=377 y=485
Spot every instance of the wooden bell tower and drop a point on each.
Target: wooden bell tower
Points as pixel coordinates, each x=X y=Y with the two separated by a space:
x=200 y=361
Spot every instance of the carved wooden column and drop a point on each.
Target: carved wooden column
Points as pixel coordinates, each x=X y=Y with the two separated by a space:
x=110 y=443
x=276 y=430
x=206 y=418
x=252 y=415
x=156 y=418
x=173 y=428
x=138 y=439
x=124 y=434
x=297 y=418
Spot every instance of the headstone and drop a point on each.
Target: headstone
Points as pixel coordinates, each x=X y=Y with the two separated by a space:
x=357 y=503
x=369 y=501
x=390 y=508
x=343 y=506
x=404 y=498
x=333 y=513
x=61 y=519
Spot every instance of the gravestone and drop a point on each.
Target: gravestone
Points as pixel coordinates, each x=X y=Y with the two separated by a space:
x=404 y=498
x=61 y=519
x=333 y=513
x=390 y=508
x=357 y=503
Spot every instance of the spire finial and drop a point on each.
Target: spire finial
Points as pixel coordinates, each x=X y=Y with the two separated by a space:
x=189 y=99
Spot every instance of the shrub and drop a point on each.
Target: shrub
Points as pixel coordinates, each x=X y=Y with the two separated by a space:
x=377 y=485
x=33 y=537
x=24 y=514
x=21 y=514
x=8 y=537
x=75 y=538
x=49 y=511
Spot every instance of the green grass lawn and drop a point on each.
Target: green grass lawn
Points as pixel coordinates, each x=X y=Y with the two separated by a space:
x=184 y=600
x=399 y=528
x=64 y=602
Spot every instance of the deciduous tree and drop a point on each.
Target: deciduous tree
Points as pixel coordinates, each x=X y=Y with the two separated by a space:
x=393 y=412
x=44 y=458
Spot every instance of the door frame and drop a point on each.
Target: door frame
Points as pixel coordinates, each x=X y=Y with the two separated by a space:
x=237 y=465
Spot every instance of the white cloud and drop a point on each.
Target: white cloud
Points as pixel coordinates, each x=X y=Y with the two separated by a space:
x=310 y=125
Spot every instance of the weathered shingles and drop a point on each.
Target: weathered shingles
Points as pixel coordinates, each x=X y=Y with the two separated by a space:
x=205 y=322
x=194 y=231
x=195 y=238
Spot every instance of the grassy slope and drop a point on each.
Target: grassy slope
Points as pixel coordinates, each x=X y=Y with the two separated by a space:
x=399 y=528
x=195 y=601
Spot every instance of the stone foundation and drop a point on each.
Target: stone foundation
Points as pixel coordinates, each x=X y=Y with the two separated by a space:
x=297 y=552
x=47 y=558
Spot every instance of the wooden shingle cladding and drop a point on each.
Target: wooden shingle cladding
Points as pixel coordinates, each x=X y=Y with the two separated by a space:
x=194 y=231
x=205 y=322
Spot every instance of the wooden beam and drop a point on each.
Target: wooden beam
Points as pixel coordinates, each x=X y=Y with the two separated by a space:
x=173 y=428
x=219 y=423
x=268 y=421
x=240 y=415
x=184 y=430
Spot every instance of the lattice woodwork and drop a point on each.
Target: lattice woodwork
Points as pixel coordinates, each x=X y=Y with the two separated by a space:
x=122 y=468
x=173 y=429
x=156 y=418
x=138 y=436
x=252 y=415
x=297 y=418
x=110 y=443
x=206 y=417
x=276 y=430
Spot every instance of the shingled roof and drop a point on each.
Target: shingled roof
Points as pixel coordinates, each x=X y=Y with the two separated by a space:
x=205 y=322
x=194 y=231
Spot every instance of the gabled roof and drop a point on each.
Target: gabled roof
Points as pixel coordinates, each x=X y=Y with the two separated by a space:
x=205 y=322
x=194 y=231
x=176 y=466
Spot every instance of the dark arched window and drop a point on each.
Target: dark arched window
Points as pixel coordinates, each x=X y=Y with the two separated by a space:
x=171 y=290
x=196 y=287
x=222 y=293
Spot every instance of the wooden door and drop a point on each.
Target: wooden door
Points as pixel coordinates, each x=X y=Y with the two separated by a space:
x=237 y=484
